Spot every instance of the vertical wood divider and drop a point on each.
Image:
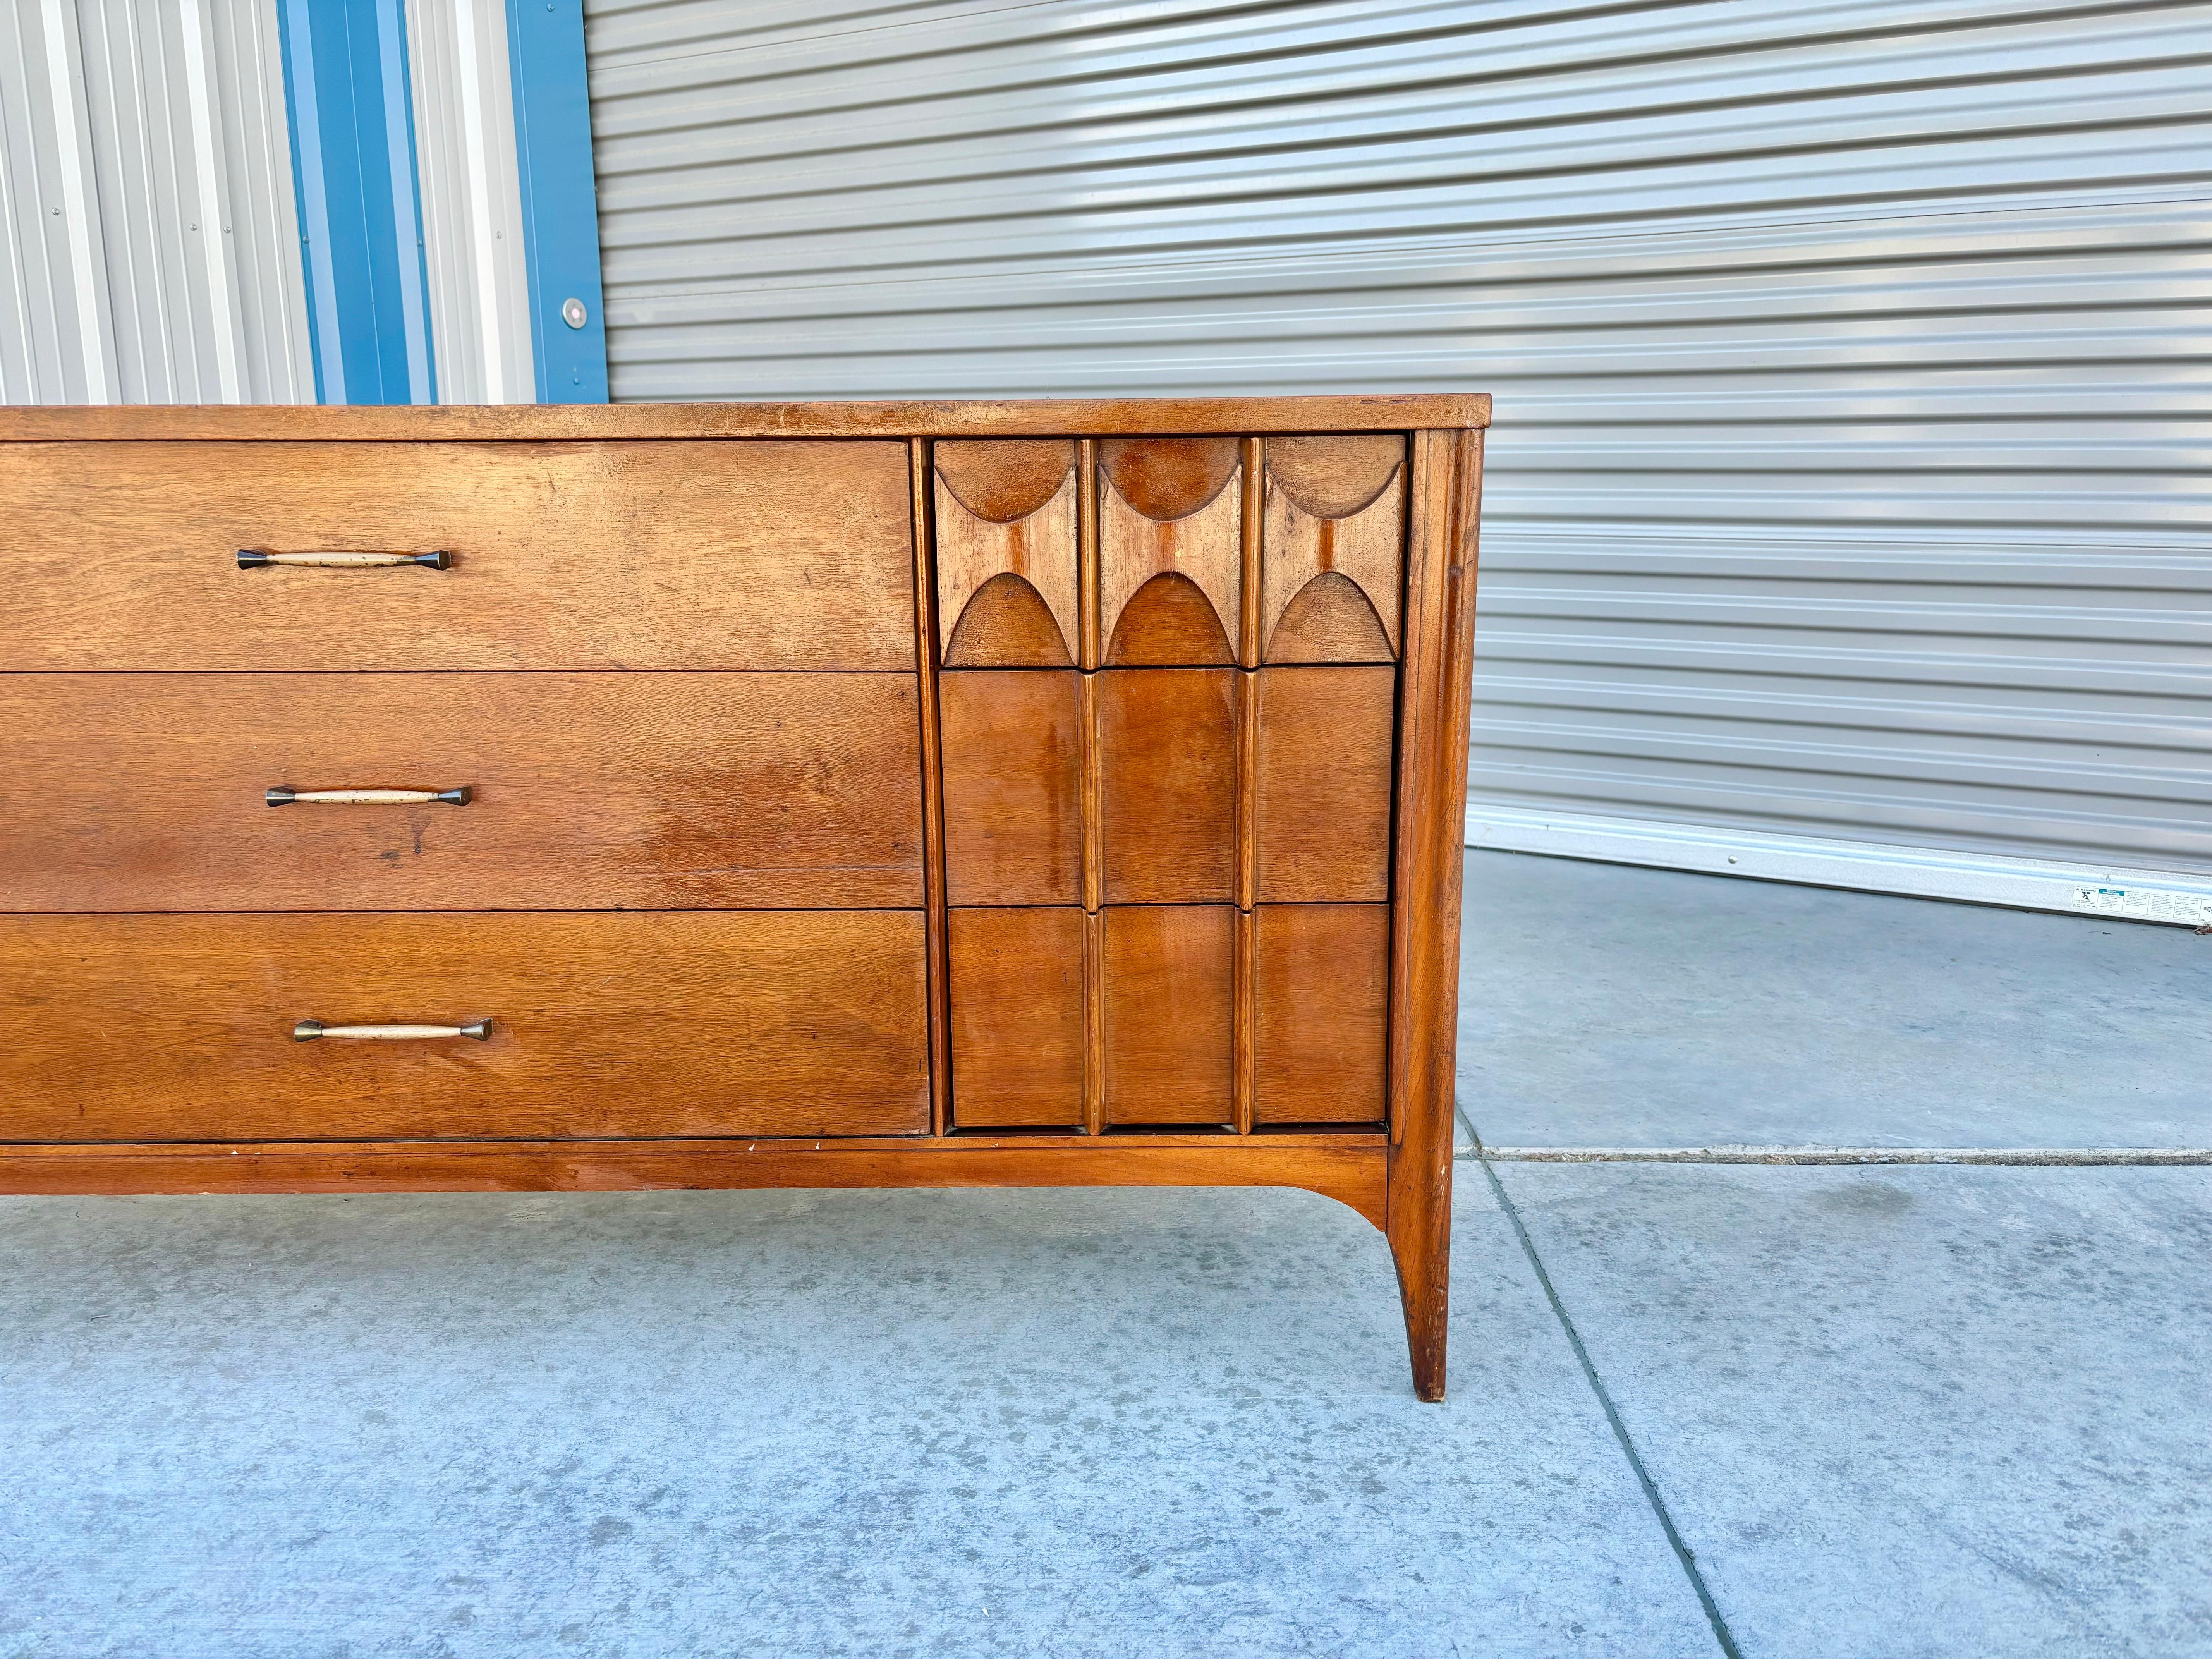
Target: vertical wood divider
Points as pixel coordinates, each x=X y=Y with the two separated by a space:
x=1089 y=651
x=1248 y=943
x=1248 y=781
x=1248 y=591
x=1248 y=862
x=1091 y=786
x=1248 y=790
x=932 y=793
x=1094 y=1022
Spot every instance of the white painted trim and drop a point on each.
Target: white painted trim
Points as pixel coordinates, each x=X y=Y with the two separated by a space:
x=2026 y=1157
x=2166 y=896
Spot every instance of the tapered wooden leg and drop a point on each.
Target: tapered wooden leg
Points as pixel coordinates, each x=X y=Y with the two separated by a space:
x=1419 y=1232
x=1434 y=677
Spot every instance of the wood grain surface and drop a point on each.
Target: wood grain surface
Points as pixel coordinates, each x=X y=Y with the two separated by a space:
x=1169 y=1003
x=179 y=1028
x=1005 y=531
x=1046 y=417
x=1012 y=748
x=1322 y=816
x=786 y=555
x=1170 y=549
x=1018 y=1016
x=1433 y=735
x=932 y=788
x=1334 y=541
x=1321 y=1000
x=646 y=791
x=1167 y=747
x=1348 y=1168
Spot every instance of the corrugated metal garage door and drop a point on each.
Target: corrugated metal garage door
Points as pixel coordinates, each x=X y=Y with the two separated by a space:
x=1849 y=476
x=146 y=214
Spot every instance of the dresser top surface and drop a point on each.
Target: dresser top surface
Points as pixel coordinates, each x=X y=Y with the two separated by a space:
x=557 y=422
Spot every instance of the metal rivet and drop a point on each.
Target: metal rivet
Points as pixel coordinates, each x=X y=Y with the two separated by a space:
x=573 y=312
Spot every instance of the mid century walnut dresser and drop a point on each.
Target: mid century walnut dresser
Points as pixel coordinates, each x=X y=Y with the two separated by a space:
x=730 y=796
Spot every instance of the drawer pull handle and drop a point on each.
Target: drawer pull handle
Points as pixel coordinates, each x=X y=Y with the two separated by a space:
x=249 y=559
x=280 y=796
x=307 y=1030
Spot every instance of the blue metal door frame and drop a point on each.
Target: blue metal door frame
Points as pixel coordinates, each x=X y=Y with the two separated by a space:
x=355 y=181
x=360 y=221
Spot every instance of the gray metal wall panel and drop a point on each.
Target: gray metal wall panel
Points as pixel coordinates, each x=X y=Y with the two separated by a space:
x=1849 y=477
x=146 y=198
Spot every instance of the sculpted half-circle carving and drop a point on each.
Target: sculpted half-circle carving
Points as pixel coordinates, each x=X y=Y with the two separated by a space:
x=1169 y=478
x=1002 y=480
x=1334 y=477
x=1007 y=624
x=1330 y=619
x=1169 y=622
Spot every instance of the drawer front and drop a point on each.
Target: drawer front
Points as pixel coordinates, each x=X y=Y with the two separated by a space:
x=667 y=555
x=1174 y=750
x=743 y=1023
x=1017 y=985
x=1184 y=997
x=647 y=791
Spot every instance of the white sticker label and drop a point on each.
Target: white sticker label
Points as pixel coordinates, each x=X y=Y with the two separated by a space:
x=2146 y=902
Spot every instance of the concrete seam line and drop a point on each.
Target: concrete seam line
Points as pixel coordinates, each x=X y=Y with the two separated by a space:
x=1683 y=1554
x=2065 y=1156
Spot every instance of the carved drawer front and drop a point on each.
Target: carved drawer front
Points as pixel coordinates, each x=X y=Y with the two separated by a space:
x=1196 y=1016
x=1321 y=992
x=1199 y=551
x=1334 y=549
x=1213 y=785
x=1006 y=586
x=1170 y=999
x=1018 y=1016
x=731 y=1022
x=1013 y=747
x=752 y=554
x=1171 y=550
x=574 y=792
x=1166 y=740
x=1321 y=785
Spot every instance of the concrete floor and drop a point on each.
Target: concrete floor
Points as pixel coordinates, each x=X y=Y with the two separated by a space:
x=1601 y=1004
x=1887 y=1412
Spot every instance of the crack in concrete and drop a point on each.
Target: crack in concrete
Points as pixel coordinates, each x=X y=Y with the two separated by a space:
x=1683 y=1554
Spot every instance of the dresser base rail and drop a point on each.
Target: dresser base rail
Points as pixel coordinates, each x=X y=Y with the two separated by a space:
x=1350 y=1169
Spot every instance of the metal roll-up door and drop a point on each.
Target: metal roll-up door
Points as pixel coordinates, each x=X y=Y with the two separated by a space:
x=1848 y=479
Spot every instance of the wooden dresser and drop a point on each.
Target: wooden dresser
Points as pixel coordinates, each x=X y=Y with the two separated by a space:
x=740 y=795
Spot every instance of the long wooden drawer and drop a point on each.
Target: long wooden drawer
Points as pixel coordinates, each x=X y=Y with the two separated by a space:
x=657 y=555
x=586 y=791
x=733 y=1023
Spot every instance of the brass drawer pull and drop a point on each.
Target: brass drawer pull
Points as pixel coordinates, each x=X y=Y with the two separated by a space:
x=251 y=558
x=280 y=796
x=308 y=1029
